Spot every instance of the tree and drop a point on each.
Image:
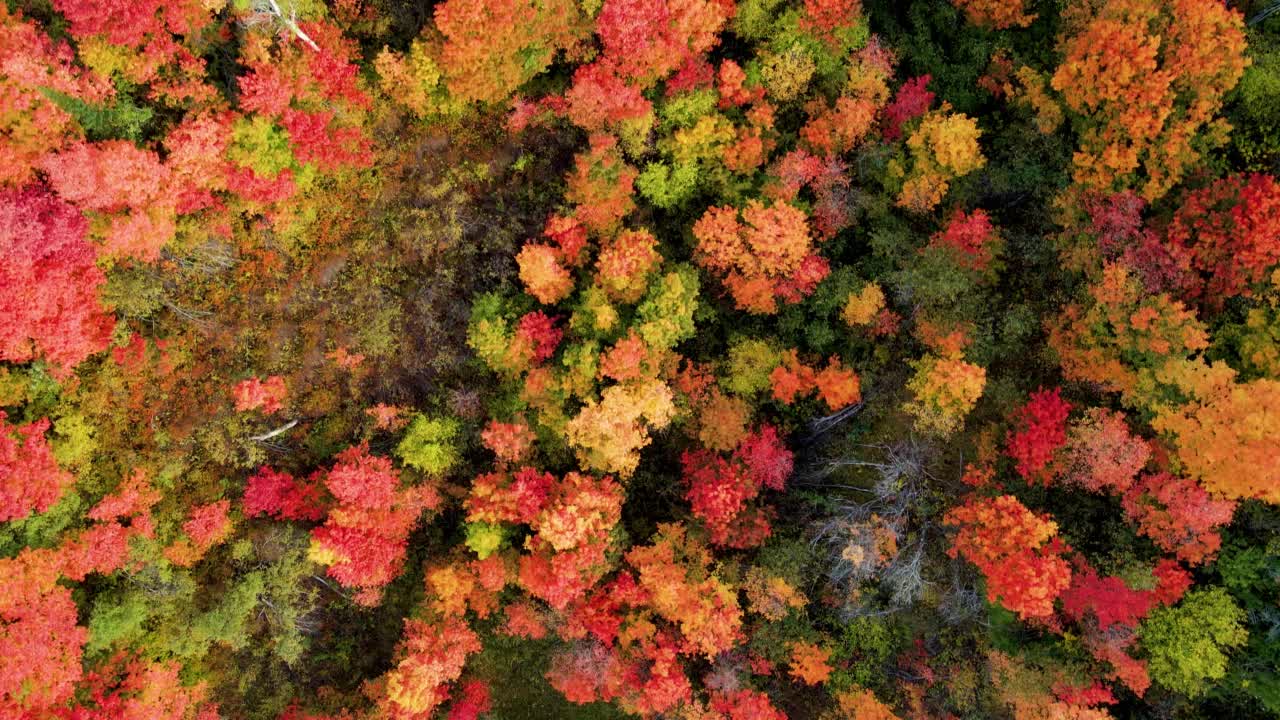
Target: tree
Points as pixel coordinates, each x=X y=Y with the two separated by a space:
x=648 y=39
x=1225 y=434
x=269 y=492
x=123 y=184
x=1230 y=234
x=1144 y=81
x=491 y=48
x=1041 y=430
x=998 y=14
x=256 y=393
x=762 y=254
x=1122 y=335
x=942 y=148
x=1188 y=643
x=809 y=663
x=1015 y=549
x=430 y=656
x=430 y=445
x=945 y=389
x=674 y=570
x=1179 y=515
x=33 y=123
x=363 y=540
x=48 y=283
x=30 y=479
x=608 y=435
x=1101 y=454
x=720 y=489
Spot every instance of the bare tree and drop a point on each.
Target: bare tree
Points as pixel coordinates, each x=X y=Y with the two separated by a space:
x=268 y=11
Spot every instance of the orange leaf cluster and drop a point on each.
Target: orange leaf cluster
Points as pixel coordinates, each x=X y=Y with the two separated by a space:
x=256 y=393
x=675 y=571
x=625 y=264
x=1125 y=334
x=1015 y=549
x=430 y=657
x=809 y=663
x=997 y=14
x=493 y=46
x=511 y=442
x=837 y=385
x=1228 y=434
x=1148 y=77
x=763 y=254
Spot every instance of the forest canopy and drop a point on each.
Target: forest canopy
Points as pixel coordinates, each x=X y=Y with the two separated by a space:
x=669 y=359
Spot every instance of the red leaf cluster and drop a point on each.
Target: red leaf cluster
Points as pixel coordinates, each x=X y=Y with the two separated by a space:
x=1041 y=429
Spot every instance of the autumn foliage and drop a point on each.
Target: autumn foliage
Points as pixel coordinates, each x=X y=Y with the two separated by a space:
x=712 y=360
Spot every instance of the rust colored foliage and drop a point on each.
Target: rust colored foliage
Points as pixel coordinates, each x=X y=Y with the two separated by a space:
x=491 y=48
x=1148 y=77
x=363 y=540
x=809 y=663
x=39 y=638
x=279 y=495
x=30 y=479
x=431 y=656
x=511 y=442
x=971 y=238
x=48 y=283
x=1229 y=234
x=625 y=264
x=1101 y=454
x=827 y=19
x=763 y=254
x=600 y=99
x=997 y=14
x=675 y=571
x=601 y=185
x=1017 y=550
x=863 y=705
x=837 y=385
x=1040 y=431
x=135 y=688
x=258 y=394
x=1123 y=334
x=719 y=488
x=648 y=39
x=1179 y=515
x=542 y=273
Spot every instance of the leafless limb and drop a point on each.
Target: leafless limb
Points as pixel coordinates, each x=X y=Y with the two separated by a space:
x=268 y=435
x=271 y=9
